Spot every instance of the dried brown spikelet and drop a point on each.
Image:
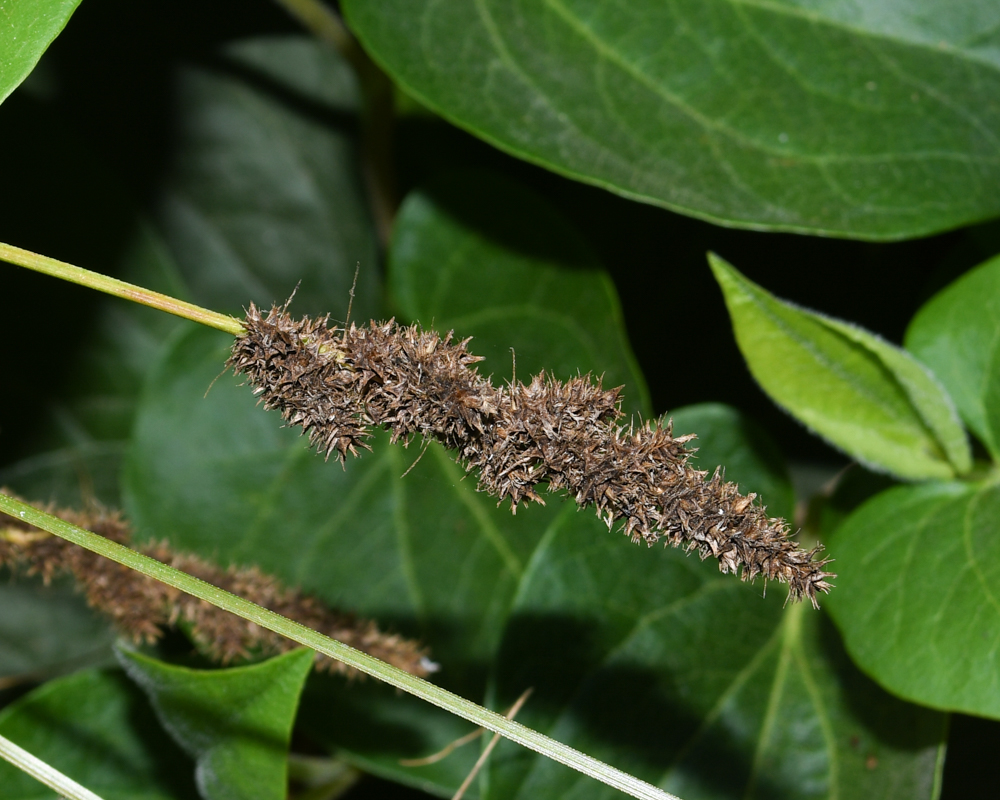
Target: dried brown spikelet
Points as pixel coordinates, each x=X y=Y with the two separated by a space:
x=141 y=607
x=338 y=384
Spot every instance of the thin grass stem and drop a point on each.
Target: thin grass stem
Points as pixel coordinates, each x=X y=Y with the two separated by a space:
x=117 y=288
x=361 y=661
x=38 y=769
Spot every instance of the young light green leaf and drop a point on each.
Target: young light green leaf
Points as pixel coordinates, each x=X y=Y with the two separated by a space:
x=862 y=394
x=916 y=598
x=97 y=728
x=235 y=723
x=695 y=682
x=957 y=334
x=27 y=29
x=929 y=398
x=821 y=117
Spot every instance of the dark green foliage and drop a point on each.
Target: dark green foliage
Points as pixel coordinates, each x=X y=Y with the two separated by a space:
x=214 y=152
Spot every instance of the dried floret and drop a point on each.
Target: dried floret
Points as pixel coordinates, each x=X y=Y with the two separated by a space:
x=141 y=607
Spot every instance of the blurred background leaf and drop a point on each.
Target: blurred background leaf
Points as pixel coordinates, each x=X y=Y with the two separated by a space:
x=477 y=252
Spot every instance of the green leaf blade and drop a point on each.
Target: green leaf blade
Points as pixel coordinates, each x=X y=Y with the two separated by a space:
x=46 y=631
x=28 y=28
x=693 y=681
x=862 y=394
x=265 y=186
x=916 y=598
x=547 y=298
x=236 y=723
x=929 y=399
x=97 y=728
x=825 y=120
x=957 y=334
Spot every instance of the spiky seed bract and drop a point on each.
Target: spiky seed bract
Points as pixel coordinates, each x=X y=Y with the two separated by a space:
x=338 y=384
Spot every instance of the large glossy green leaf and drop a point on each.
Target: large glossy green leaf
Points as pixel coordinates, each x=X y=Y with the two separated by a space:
x=957 y=334
x=693 y=681
x=98 y=728
x=916 y=598
x=547 y=298
x=266 y=191
x=864 y=395
x=872 y=120
x=27 y=28
x=236 y=723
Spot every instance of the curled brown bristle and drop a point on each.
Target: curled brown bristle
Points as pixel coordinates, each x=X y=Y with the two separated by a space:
x=339 y=384
x=141 y=607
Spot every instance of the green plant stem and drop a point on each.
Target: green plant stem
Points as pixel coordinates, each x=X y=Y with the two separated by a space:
x=378 y=113
x=127 y=291
x=321 y=21
x=38 y=769
x=459 y=706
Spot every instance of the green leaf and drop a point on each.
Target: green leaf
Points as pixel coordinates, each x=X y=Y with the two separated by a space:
x=126 y=340
x=236 y=723
x=692 y=680
x=957 y=334
x=916 y=595
x=27 y=28
x=96 y=727
x=265 y=191
x=829 y=118
x=48 y=630
x=547 y=297
x=864 y=395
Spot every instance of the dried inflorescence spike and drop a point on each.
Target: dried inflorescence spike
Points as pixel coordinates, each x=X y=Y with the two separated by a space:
x=338 y=384
x=141 y=607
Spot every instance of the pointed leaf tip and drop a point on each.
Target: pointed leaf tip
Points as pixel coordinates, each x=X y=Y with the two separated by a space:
x=865 y=396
